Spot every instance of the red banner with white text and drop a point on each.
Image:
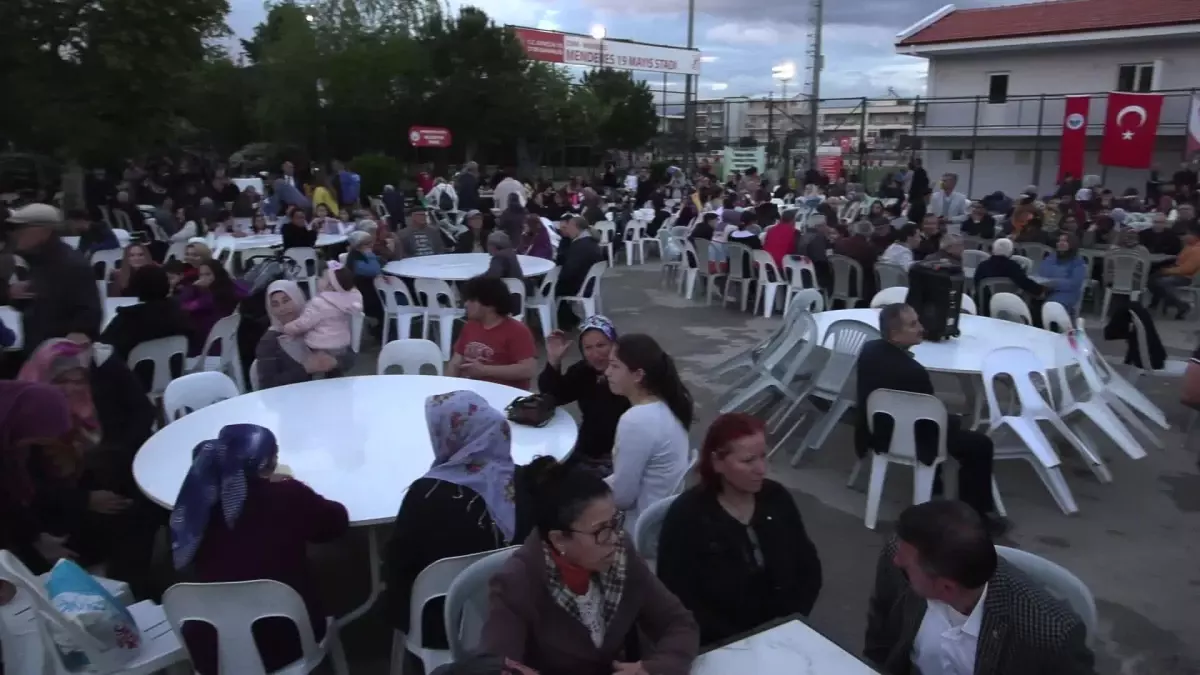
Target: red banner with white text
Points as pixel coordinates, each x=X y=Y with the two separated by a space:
x=1130 y=129
x=1074 y=137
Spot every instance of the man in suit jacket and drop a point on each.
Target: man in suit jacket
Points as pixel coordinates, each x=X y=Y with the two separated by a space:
x=950 y=207
x=946 y=603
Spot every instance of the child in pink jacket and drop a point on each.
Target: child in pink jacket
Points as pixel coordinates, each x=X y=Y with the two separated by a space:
x=325 y=322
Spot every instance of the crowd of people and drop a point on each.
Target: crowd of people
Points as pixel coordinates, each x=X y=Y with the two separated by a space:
x=576 y=596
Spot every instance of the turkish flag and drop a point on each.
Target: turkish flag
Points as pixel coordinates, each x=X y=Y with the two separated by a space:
x=1074 y=137
x=1130 y=129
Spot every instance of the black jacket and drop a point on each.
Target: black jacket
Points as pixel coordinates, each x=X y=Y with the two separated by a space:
x=598 y=405
x=1165 y=242
x=297 y=237
x=136 y=324
x=1004 y=266
x=883 y=365
x=394 y=202
x=706 y=558
x=1120 y=327
x=576 y=259
x=985 y=228
x=440 y=520
x=65 y=296
x=467 y=189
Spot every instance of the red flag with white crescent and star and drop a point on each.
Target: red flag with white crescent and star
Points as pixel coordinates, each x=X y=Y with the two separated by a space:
x=1130 y=129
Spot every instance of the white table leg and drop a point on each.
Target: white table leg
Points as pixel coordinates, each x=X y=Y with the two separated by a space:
x=376 y=581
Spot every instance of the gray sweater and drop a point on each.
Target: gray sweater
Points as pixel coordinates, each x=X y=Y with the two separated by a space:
x=413 y=241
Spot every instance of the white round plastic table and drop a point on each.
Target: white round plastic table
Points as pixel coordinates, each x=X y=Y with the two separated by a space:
x=978 y=337
x=271 y=241
x=460 y=266
x=360 y=441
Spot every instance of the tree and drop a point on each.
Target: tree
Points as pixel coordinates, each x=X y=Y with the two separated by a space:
x=281 y=18
x=94 y=78
x=627 y=115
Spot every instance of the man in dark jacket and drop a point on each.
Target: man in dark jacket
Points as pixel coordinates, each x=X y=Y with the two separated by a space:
x=887 y=364
x=60 y=298
x=575 y=258
x=467 y=187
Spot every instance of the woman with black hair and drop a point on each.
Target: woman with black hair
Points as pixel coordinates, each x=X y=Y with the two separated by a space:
x=650 y=455
x=579 y=564
x=213 y=296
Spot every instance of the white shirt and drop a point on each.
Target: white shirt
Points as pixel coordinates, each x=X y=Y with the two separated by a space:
x=954 y=207
x=650 y=458
x=946 y=641
x=898 y=254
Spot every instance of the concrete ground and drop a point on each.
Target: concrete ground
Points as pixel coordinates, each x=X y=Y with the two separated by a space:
x=1134 y=541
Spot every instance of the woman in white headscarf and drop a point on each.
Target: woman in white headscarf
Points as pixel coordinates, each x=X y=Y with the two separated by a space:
x=283 y=359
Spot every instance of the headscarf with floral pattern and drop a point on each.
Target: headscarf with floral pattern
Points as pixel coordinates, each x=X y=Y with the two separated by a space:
x=472 y=448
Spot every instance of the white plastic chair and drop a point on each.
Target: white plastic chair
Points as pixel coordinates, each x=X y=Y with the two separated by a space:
x=255 y=381
x=160 y=649
x=706 y=269
x=398 y=306
x=801 y=275
x=108 y=260
x=224 y=334
x=1059 y=582
x=231 y=608
x=606 y=232
x=12 y=319
x=194 y=391
x=770 y=279
x=516 y=287
x=1019 y=364
x=439 y=302
x=889 y=296
x=306 y=259
x=1055 y=318
x=1171 y=367
x=635 y=241
x=648 y=527
x=410 y=356
x=905 y=408
x=1010 y=307
x=543 y=301
x=589 y=291
x=160 y=352
x=1025 y=263
x=1120 y=395
x=846 y=268
x=888 y=275
x=689 y=269
x=966 y=304
x=799 y=332
x=1126 y=272
x=176 y=251
x=972 y=258
x=1099 y=406
x=467 y=602
x=1035 y=253
x=739 y=255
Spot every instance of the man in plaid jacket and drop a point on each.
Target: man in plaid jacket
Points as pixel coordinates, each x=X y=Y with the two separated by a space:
x=946 y=604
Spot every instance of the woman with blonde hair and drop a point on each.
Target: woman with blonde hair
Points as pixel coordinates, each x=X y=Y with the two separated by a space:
x=136 y=256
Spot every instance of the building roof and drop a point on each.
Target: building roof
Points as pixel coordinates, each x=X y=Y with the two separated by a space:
x=1054 y=17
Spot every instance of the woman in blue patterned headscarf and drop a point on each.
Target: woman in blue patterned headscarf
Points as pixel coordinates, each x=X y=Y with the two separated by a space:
x=220 y=468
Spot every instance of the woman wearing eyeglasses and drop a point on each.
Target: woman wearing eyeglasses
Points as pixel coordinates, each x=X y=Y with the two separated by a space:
x=578 y=570
x=734 y=548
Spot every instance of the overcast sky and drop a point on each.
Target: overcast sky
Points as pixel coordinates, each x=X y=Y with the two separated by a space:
x=742 y=40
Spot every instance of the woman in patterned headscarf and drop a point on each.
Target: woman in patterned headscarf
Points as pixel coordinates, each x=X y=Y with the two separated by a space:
x=237 y=519
x=468 y=502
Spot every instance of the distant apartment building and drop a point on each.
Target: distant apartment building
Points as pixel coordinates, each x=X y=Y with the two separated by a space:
x=763 y=119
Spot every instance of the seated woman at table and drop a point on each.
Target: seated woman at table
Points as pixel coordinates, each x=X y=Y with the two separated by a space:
x=193 y=226
x=584 y=383
x=84 y=482
x=492 y=346
x=236 y=519
x=195 y=254
x=281 y=359
x=324 y=222
x=472 y=500
x=326 y=324
x=535 y=240
x=578 y=570
x=297 y=231
x=474 y=238
x=136 y=256
x=650 y=454
x=504 y=263
x=259 y=225
x=733 y=548
x=1065 y=273
x=210 y=298
x=157 y=314
x=1001 y=265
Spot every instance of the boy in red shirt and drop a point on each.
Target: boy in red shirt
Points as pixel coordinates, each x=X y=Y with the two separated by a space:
x=493 y=346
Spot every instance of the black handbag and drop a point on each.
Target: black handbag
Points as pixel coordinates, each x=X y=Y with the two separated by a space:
x=535 y=410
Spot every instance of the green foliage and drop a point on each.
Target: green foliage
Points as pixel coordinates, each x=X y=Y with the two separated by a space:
x=376 y=170
x=623 y=109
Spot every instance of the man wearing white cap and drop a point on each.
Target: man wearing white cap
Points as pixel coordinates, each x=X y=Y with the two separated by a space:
x=60 y=298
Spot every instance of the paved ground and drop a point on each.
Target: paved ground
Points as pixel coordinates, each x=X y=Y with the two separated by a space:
x=1134 y=542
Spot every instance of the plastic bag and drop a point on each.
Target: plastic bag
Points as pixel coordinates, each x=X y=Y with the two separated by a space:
x=83 y=601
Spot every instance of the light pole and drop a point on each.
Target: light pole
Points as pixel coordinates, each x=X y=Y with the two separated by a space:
x=784 y=72
x=598 y=34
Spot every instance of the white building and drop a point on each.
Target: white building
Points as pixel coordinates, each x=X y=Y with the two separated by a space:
x=762 y=119
x=993 y=109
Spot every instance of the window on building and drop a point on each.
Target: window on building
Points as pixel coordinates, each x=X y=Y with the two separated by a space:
x=962 y=155
x=998 y=88
x=1137 y=77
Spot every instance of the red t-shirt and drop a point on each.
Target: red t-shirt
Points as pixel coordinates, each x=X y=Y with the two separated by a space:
x=504 y=344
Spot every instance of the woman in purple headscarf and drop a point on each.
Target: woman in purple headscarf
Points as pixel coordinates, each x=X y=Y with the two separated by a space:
x=236 y=519
x=468 y=502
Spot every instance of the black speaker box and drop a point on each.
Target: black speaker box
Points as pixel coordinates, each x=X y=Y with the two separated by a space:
x=935 y=292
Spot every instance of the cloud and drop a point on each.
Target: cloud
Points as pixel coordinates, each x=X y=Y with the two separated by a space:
x=761 y=33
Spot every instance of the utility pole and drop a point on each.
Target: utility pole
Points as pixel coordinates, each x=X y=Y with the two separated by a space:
x=815 y=95
x=689 y=111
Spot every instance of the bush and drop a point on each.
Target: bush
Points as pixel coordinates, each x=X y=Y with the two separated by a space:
x=376 y=170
